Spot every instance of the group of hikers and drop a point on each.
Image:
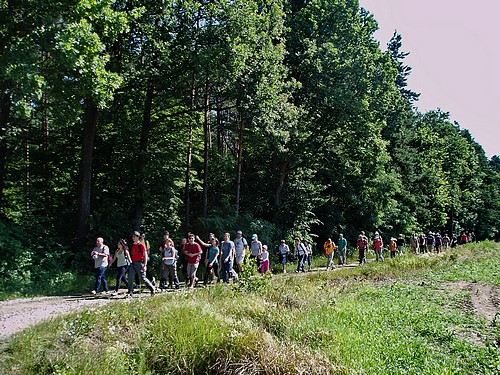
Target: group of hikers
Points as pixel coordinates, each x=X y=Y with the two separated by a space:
x=220 y=259
x=419 y=244
x=225 y=260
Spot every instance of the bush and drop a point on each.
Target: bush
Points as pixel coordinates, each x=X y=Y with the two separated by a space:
x=33 y=264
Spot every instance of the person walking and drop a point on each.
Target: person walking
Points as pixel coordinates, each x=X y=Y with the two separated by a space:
x=342 y=250
x=169 y=266
x=212 y=262
x=414 y=243
x=227 y=256
x=193 y=252
x=438 y=242
x=123 y=261
x=283 y=252
x=362 y=245
x=378 y=246
x=446 y=242
x=100 y=255
x=422 y=243
x=430 y=242
x=392 y=247
x=240 y=248
x=149 y=270
x=167 y=242
x=264 y=258
x=256 y=249
x=400 y=242
x=301 y=253
x=139 y=256
x=464 y=238
x=309 y=254
x=329 y=251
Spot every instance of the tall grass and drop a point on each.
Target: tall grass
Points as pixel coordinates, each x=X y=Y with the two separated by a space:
x=393 y=317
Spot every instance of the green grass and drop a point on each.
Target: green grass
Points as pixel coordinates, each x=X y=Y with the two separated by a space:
x=393 y=317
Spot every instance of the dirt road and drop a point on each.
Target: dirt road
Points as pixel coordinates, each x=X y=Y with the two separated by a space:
x=18 y=314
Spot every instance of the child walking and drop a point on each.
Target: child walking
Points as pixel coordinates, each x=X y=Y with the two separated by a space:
x=264 y=259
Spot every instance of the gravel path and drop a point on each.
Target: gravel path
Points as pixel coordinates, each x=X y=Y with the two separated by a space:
x=18 y=314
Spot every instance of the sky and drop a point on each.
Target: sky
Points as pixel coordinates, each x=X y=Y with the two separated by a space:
x=455 y=58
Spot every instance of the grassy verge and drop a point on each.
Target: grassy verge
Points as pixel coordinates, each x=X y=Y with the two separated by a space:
x=395 y=317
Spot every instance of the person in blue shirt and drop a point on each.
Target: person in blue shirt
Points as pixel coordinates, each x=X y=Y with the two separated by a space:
x=342 y=250
x=212 y=261
x=227 y=256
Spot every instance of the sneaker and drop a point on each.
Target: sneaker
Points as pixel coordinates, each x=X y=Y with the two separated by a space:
x=114 y=293
x=93 y=292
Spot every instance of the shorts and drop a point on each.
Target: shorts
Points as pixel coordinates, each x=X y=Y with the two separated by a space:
x=283 y=259
x=191 y=269
x=239 y=257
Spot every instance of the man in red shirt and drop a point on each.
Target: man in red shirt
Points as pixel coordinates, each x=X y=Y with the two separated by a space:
x=139 y=264
x=193 y=252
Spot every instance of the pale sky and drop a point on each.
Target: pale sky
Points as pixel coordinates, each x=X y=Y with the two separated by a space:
x=455 y=55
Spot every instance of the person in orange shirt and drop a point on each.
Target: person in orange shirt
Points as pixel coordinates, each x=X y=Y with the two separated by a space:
x=329 y=251
x=393 y=247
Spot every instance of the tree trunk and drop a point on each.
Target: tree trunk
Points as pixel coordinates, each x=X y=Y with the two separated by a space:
x=45 y=130
x=187 y=205
x=284 y=170
x=84 y=186
x=187 y=195
x=221 y=144
x=241 y=128
x=142 y=160
x=27 y=180
x=5 y=107
x=207 y=133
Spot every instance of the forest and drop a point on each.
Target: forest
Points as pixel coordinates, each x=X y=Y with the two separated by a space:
x=272 y=116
